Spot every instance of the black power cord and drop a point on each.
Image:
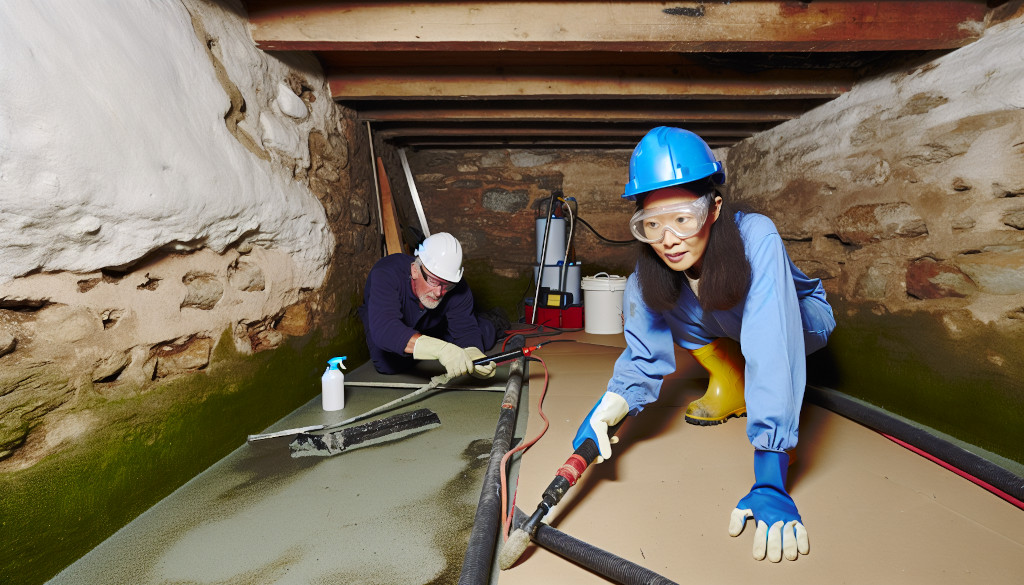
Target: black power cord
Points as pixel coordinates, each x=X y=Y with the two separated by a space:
x=602 y=238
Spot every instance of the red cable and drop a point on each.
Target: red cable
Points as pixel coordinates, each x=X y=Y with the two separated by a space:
x=506 y=521
x=960 y=472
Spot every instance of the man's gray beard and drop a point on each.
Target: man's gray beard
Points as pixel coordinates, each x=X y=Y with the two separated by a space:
x=428 y=302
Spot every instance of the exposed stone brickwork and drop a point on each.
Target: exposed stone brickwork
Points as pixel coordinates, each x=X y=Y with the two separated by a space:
x=931 y=279
x=491 y=199
x=903 y=195
x=72 y=338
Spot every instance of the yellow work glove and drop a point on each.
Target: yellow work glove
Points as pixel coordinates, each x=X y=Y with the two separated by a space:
x=482 y=371
x=455 y=360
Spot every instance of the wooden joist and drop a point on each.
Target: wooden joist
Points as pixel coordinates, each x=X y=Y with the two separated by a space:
x=625 y=111
x=527 y=54
x=822 y=25
x=592 y=83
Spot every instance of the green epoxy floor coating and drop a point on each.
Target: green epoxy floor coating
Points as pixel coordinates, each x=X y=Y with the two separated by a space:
x=399 y=512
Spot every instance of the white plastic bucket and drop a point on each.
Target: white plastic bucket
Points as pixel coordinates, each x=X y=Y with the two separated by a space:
x=602 y=303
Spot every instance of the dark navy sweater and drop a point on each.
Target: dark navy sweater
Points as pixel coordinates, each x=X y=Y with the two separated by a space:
x=391 y=314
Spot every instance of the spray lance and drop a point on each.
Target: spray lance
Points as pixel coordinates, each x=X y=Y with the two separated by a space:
x=566 y=477
x=507 y=356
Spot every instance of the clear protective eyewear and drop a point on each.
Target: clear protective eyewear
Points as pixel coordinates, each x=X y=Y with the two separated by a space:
x=683 y=219
x=435 y=282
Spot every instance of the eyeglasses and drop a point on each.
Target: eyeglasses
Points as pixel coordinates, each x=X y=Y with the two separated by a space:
x=434 y=282
x=682 y=219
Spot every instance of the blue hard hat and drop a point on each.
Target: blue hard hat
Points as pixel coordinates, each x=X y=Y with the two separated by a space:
x=670 y=156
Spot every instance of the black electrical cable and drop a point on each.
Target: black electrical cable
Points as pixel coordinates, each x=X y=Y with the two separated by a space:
x=576 y=217
x=543 y=331
x=602 y=238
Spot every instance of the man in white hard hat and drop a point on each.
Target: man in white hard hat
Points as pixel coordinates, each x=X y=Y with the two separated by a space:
x=419 y=308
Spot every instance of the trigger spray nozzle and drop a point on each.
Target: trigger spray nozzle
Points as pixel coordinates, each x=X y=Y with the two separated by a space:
x=337 y=363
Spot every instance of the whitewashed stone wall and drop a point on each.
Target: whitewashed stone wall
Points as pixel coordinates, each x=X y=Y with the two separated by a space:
x=161 y=181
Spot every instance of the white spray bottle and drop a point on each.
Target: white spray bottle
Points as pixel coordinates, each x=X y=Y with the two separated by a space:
x=333 y=384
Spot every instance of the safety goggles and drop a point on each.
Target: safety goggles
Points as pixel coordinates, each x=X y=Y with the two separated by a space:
x=435 y=282
x=683 y=219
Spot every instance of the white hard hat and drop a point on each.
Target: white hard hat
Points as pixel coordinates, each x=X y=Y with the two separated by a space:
x=441 y=254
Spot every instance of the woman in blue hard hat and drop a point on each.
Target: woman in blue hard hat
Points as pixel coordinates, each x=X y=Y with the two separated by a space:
x=719 y=284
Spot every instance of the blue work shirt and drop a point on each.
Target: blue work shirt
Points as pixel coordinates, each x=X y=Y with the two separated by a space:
x=392 y=314
x=783 y=317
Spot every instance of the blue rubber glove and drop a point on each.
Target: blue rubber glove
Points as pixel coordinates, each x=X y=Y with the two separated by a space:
x=779 y=528
x=608 y=411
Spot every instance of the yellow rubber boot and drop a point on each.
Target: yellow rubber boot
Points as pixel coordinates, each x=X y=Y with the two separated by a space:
x=724 y=397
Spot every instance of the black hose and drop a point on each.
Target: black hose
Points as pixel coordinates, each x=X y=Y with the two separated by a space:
x=958 y=457
x=604 y=239
x=478 y=560
x=586 y=555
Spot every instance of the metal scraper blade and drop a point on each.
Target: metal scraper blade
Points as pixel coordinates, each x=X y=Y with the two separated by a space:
x=374 y=432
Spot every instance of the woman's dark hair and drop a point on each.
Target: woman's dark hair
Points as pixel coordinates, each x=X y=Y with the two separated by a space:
x=725 y=272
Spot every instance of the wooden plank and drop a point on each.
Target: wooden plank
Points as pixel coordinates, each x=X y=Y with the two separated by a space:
x=553 y=132
x=614 y=142
x=602 y=138
x=424 y=58
x=585 y=111
x=743 y=60
x=583 y=82
x=754 y=25
x=392 y=240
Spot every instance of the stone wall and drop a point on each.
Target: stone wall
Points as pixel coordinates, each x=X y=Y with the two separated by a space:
x=904 y=195
x=490 y=200
x=152 y=202
x=180 y=215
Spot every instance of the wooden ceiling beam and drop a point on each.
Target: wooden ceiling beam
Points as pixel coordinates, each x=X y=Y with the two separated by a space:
x=592 y=142
x=555 y=133
x=746 y=61
x=583 y=82
x=646 y=26
x=587 y=110
x=432 y=113
x=537 y=144
x=561 y=133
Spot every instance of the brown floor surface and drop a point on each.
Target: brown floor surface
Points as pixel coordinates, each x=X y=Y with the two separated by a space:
x=875 y=512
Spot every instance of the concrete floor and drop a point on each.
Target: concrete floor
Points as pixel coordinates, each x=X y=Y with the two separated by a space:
x=401 y=512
